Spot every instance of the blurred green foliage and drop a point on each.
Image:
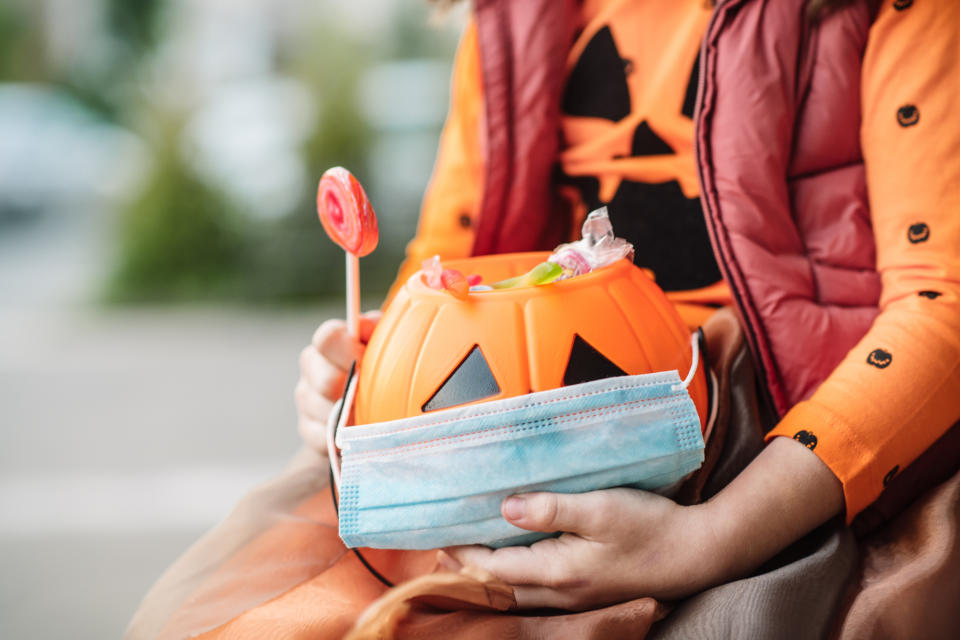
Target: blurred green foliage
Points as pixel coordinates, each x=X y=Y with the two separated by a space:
x=21 y=47
x=178 y=239
x=109 y=87
x=182 y=240
x=136 y=25
x=292 y=258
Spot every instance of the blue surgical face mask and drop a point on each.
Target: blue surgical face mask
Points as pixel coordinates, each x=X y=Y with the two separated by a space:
x=438 y=479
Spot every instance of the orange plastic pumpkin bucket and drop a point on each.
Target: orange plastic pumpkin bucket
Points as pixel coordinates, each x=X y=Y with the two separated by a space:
x=432 y=351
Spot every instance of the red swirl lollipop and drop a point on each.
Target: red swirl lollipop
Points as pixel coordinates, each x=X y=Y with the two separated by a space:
x=346 y=213
x=348 y=218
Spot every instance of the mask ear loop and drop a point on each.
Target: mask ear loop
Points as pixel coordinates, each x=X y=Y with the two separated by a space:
x=338 y=418
x=696 y=341
x=694 y=362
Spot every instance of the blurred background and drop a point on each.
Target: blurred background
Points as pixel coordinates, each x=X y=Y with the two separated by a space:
x=161 y=264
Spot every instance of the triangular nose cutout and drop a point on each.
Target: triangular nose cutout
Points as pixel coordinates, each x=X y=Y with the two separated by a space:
x=586 y=364
x=471 y=380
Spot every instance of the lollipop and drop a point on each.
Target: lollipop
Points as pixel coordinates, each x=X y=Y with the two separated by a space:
x=348 y=218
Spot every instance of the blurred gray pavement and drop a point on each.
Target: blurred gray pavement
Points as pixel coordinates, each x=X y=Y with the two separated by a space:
x=125 y=433
x=125 y=436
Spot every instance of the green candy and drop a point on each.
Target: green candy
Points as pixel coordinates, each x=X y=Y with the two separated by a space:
x=543 y=273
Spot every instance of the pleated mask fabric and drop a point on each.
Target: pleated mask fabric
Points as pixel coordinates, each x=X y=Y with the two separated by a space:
x=438 y=479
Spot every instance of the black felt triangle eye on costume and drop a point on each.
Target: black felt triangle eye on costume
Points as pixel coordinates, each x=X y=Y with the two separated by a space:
x=586 y=364
x=471 y=380
x=597 y=86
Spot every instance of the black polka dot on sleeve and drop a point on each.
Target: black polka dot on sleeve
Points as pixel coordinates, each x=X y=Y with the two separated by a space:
x=879 y=358
x=465 y=221
x=918 y=233
x=908 y=115
x=806 y=438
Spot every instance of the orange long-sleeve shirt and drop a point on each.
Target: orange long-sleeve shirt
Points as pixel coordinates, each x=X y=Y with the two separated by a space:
x=899 y=389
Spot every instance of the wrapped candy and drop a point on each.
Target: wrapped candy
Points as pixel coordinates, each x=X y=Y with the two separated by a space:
x=431 y=268
x=597 y=248
x=450 y=280
x=455 y=283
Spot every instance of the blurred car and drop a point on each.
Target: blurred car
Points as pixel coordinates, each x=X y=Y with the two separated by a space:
x=55 y=153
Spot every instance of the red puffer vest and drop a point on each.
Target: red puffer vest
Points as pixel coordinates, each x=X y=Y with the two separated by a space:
x=782 y=176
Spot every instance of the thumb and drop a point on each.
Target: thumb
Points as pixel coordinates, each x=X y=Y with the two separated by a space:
x=549 y=512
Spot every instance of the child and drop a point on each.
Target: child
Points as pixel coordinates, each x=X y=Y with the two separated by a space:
x=777 y=137
x=864 y=423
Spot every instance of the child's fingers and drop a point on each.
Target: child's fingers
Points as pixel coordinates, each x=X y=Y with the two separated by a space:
x=582 y=513
x=368 y=322
x=313 y=434
x=322 y=376
x=532 y=565
x=311 y=404
x=335 y=344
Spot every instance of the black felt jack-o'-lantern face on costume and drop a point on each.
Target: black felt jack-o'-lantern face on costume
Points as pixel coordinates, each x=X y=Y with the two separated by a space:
x=806 y=438
x=908 y=115
x=918 y=232
x=879 y=358
x=627 y=126
x=431 y=351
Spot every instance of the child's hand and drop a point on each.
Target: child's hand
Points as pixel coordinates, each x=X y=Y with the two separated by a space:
x=324 y=365
x=622 y=544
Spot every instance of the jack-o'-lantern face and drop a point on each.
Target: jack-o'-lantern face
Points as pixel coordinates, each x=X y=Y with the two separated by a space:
x=627 y=128
x=879 y=358
x=432 y=352
x=806 y=438
x=908 y=115
x=918 y=232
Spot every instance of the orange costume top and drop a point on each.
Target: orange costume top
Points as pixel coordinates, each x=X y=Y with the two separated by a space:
x=894 y=394
x=898 y=389
x=627 y=142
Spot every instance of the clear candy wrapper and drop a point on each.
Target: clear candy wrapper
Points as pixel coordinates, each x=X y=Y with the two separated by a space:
x=597 y=248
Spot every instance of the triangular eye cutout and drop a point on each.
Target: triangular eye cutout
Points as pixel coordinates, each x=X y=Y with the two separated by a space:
x=471 y=380
x=586 y=364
